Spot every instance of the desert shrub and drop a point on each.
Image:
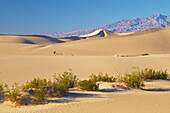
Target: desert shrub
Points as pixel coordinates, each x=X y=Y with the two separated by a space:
x=133 y=80
x=26 y=99
x=35 y=83
x=61 y=84
x=136 y=78
x=39 y=96
x=2 y=96
x=144 y=54
x=152 y=74
x=1 y=89
x=36 y=88
x=101 y=77
x=88 y=85
x=56 y=90
x=67 y=79
x=13 y=94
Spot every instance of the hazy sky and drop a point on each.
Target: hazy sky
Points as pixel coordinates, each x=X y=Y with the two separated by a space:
x=43 y=16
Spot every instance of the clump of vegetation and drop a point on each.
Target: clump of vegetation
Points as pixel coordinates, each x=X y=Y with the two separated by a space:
x=121 y=55
x=152 y=74
x=133 y=80
x=136 y=78
x=88 y=85
x=39 y=96
x=36 y=88
x=101 y=77
x=61 y=84
x=36 y=83
x=13 y=94
x=2 y=96
x=56 y=90
x=67 y=79
x=40 y=88
x=144 y=54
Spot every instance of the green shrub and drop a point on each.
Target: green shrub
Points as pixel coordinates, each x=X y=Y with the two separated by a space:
x=67 y=79
x=13 y=94
x=144 y=54
x=136 y=78
x=2 y=96
x=57 y=90
x=36 y=83
x=101 y=77
x=152 y=74
x=133 y=80
x=1 y=89
x=39 y=95
x=36 y=88
x=88 y=85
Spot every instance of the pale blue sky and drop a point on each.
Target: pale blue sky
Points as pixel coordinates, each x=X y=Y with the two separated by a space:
x=43 y=16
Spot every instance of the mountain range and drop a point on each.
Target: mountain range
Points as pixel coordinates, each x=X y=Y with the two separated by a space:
x=123 y=26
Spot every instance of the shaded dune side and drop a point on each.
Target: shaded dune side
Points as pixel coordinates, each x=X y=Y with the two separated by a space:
x=29 y=39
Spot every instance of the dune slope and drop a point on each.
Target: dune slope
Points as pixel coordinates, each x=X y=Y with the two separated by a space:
x=151 y=41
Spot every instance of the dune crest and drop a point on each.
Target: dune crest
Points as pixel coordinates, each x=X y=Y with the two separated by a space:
x=104 y=33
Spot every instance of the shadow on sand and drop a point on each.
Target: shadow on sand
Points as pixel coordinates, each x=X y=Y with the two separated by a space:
x=71 y=97
x=156 y=89
x=117 y=88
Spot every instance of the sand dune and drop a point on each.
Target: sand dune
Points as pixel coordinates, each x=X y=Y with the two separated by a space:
x=28 y=39
x=157 y=42
x=103 y=33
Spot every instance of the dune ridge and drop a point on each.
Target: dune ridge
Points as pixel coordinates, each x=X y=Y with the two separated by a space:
x=152 y=41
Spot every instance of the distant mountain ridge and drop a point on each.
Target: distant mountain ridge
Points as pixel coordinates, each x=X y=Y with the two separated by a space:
x=123 y=26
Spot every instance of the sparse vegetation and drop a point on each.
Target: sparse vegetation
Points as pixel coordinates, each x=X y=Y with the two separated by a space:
x=121 y=55
x=101 y=77
x=144 y=54
x=88 y=85
x=133 y=80
x=13 y=94
x=39 y=95
x=152 y=74
x=35 y=83
x=67 y=79
x=136 y=78
x=37 y=90
x=1 y=93
x=1 y=89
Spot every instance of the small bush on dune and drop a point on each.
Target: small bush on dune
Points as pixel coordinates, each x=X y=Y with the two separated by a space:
x=39 y=96
x=136 y=78
x=152 y=74
x=36 y=83
x=36 y=88
x=133 y=80
x=101 y=77
x=13 y=94
x=1 y=89
x=57 y=90
x=88 y=85
x=2 y=96
x=144 y=54
x=67 y=79
x=61 y=84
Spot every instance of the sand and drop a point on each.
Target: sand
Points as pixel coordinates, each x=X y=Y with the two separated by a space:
x=23 y=58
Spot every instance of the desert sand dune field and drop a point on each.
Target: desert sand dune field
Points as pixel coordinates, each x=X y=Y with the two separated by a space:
x=25 y=57
x=147 y=41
